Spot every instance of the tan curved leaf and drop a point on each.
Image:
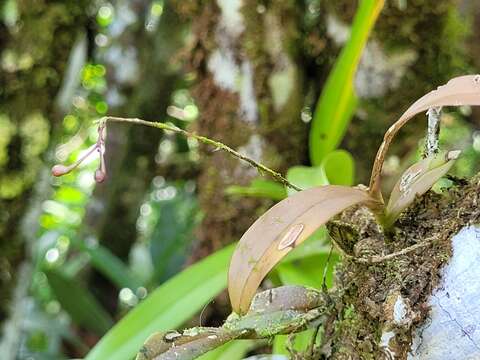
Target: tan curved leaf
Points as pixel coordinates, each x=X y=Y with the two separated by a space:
x=416 y=181
x=462 y=90
x=278 y=231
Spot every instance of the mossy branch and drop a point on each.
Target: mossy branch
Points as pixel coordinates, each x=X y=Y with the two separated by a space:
x=205 y=140
x=283 y=310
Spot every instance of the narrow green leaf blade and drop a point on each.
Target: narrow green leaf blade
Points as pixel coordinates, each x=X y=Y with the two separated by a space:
x=168 y=307
x=306 y=177
x=339 y=167
x=338 y=101
x=82 y=307
x=109 y=265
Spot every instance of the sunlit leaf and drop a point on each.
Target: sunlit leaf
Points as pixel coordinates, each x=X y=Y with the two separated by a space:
x=459 y=91
x=259 y=188
x=339 y=166
x=308 y=271
x=306 y=177
x=278 y=231
x=416 y=181
x=168 y=307
x=315 y=244
x=300 y=342
x=338 y=101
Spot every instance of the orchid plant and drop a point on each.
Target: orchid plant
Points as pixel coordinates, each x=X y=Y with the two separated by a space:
x=290 y=222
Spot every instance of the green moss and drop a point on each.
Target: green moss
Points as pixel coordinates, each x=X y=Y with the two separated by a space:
x=33 y=58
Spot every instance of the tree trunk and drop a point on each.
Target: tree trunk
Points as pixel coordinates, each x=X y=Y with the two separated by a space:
x=250 y=91
x=35 y=47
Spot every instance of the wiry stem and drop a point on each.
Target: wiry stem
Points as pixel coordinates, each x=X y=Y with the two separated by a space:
x=405 y=251
x=218 y=145
x=433 y=131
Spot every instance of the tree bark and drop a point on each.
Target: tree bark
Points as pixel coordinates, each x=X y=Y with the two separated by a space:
x=286 y=40
x=250 y=91
x=35 y=48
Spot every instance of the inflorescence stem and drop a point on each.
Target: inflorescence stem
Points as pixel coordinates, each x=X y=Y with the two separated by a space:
x=218 y=145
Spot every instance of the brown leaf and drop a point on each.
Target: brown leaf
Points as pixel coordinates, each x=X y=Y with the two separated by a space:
x=462 y=90
x=278 y=231
x=416 y=181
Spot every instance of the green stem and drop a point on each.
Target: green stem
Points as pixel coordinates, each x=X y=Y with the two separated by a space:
x=218 y=145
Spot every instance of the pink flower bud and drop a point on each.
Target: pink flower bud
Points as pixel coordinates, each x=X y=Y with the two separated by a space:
x=100 y=176
x=59 y=170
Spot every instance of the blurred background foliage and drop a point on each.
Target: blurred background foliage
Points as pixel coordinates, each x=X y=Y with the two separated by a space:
x=260 y=76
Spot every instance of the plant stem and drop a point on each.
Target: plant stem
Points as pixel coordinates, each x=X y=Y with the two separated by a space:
x=218 y=145
x=433 y=131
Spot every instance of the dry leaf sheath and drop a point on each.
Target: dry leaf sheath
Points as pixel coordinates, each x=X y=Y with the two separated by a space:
x=416 y=181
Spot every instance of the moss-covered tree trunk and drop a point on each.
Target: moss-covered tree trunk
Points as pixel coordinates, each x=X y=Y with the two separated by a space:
x=35 y=43
x=250 y=88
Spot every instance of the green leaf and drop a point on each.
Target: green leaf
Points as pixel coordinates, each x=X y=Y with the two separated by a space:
x=301 y=342
x=234 y=350
x=168 y=307
x=338 y=101
x=82 y=307
x=173 y=223
x=259 y=188
x=306 y=177
x=293 y=274
x=316 y=244
x=109 y=265
x=339 y=167
x=308 y=271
